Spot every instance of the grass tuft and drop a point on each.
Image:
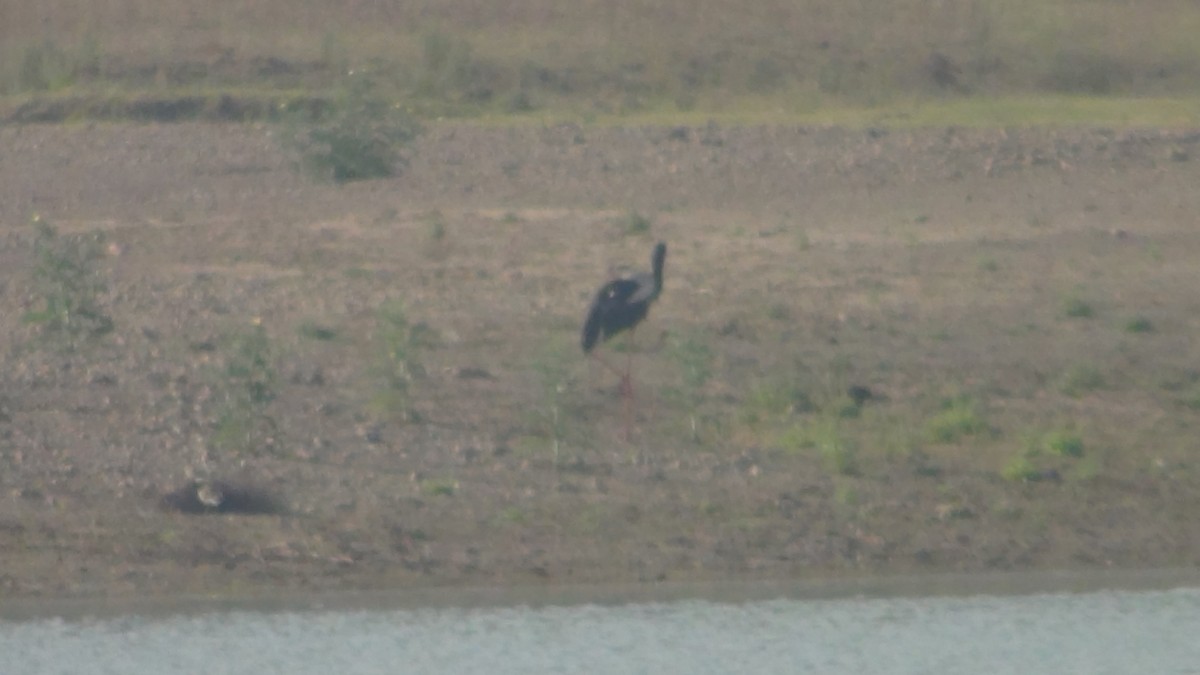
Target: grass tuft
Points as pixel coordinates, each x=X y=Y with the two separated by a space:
x=1064 y=443
x=957 y=419
x=1077 y=308
x=1139 y=324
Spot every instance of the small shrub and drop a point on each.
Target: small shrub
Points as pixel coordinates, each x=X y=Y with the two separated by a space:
x=361 y=139
x=66 y=278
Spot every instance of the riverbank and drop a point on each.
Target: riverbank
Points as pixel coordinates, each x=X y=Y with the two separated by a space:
x=394 y=362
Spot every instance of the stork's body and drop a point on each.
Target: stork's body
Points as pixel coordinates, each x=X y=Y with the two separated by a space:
x=621 y=305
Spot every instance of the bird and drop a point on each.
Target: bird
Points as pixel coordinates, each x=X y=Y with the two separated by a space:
x=620 y=305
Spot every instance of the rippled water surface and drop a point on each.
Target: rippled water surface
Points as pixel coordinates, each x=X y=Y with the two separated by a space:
x=1094 y=632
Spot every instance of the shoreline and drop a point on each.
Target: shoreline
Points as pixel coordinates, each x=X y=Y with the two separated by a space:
x=866 y=587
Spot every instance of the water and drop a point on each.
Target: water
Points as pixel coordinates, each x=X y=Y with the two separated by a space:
x=1100 y=631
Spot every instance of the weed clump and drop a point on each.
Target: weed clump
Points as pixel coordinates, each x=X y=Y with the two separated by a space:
x=66 y=278
x=361 y=139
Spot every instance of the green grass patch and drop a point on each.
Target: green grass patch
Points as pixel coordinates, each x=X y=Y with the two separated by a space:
x=957 y=419
x=1063 y=443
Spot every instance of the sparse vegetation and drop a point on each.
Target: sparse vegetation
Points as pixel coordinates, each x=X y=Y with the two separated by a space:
x=824 y=434
x=695 y=360
x=247 y=385
x=363 y=137
x=68 y=284
x=784 y=470
x=550 y=415
x=1020 y=468
x=400 y=343
x=773 y=399
x=957 y=419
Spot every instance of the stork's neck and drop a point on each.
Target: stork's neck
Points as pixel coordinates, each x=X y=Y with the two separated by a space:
x=660 y=256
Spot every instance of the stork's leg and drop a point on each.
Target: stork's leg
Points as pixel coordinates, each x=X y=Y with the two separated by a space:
x=626 y=387
x=604 y=362
x=627 y=384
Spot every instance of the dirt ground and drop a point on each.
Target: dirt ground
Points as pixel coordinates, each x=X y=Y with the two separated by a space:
x=1047 y=277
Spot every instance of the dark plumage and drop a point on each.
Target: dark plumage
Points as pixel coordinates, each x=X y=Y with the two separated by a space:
x=622 y=303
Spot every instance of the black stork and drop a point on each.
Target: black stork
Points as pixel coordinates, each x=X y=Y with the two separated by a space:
x=621 y=305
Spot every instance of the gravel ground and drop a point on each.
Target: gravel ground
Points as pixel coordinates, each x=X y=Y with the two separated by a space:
x=492 y=241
